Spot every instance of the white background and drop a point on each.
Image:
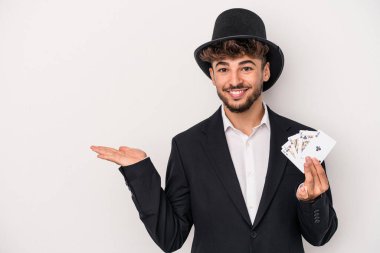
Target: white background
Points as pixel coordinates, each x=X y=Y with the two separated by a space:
x=77 y=73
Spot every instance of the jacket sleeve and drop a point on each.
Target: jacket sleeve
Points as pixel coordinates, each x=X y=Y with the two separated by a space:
x=166 y=214
x=318 y=220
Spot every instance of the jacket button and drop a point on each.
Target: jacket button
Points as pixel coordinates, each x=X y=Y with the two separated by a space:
x=253 y=234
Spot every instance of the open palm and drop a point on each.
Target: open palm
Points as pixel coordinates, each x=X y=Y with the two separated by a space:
x=123 y=156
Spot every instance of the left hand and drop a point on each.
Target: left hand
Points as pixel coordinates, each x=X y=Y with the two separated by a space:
x=316 y=181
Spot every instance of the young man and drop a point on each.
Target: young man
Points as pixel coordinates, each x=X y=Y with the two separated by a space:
x=226 y=175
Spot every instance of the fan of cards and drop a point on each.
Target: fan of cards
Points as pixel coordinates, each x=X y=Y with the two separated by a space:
x=307 y=143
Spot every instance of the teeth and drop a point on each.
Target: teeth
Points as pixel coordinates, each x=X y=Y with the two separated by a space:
x=236 y=92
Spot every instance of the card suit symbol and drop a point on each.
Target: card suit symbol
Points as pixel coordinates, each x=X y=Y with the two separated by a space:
x=317 y=148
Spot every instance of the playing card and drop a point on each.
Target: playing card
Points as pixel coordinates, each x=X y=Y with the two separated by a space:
x=307 y=143
x=290 y=149
x=289 y=153
x=319 y=147
x=296 y=142
x=306 y=136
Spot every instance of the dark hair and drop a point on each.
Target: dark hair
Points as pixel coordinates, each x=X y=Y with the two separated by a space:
x=235 y=48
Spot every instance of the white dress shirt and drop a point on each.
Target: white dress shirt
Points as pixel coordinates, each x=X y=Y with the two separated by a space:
x=250 y=156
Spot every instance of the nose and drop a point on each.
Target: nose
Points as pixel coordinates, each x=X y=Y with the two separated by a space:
x=235 y=78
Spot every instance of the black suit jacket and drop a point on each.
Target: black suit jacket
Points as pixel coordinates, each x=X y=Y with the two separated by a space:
x=202 y=188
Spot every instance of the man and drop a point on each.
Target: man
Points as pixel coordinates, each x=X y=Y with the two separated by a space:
x=226 y=174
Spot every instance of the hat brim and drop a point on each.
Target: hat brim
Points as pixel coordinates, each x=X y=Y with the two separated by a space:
x=275 y=57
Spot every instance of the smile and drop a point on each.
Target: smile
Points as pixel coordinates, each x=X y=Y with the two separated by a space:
x=237 y=93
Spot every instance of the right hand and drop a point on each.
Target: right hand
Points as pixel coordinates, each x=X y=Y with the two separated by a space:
x=124 y=156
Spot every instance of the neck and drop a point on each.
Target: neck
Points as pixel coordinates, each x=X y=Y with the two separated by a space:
x=245 y=121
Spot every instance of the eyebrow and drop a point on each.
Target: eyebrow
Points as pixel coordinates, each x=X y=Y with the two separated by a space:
x=240 y=63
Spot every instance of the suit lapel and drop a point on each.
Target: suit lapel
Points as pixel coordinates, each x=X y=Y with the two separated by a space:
x=276 y=164
x=216 y=148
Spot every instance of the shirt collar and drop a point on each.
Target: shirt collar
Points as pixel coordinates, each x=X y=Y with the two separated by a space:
x=227 y=123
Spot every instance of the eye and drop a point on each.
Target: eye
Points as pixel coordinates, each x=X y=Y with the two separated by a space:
x=247 y=68
x=222 y=70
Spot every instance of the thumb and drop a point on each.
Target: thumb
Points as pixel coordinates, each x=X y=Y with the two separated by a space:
x=302 y=192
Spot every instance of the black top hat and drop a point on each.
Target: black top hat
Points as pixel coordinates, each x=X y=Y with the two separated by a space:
x=241 y=23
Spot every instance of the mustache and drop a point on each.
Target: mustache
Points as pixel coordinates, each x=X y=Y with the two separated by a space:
x=237 y=87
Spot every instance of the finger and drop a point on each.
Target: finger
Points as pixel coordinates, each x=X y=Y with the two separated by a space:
x=302 y=193
x=113 y=157
x=96 y=149
x=110 y=154
x=107 y=157
x=317 y=182
x=309 y=180
x=93 y=147
x=102 y=147
x=321 y=174
x=104 y=150
x=107 y=149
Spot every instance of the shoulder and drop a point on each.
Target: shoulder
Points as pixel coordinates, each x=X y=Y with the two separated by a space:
x=198 y=131
x=192 y=133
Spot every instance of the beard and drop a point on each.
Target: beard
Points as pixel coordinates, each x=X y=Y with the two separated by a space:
x=239 y=108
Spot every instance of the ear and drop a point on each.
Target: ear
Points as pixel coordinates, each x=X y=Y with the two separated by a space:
x=212 y=75
x=266 y=72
